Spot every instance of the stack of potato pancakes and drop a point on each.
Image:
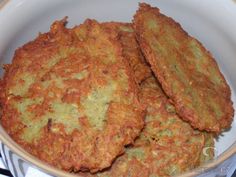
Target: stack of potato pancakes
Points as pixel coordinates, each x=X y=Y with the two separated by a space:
x=140 y=99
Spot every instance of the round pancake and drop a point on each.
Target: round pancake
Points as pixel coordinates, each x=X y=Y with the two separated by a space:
x=167 y=145
x=188 y=73
x=70 y=98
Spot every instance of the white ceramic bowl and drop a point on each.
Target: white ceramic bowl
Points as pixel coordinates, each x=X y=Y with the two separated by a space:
x=210 y=21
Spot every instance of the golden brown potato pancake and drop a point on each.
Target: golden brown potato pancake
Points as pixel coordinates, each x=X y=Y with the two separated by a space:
x=188 y=73
x=70 y=97
x=167 y=145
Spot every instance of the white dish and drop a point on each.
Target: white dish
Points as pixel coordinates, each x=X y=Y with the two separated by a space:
x=212 y=22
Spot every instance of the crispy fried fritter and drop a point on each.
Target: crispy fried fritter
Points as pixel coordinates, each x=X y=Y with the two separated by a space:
x=187 y=72
x=70 y=98
x=167 y=145
x=131 y=50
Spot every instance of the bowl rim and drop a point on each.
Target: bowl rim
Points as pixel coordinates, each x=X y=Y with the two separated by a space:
x=42 y=166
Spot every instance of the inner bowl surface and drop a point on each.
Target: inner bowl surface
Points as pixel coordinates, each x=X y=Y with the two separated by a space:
x=211 y=22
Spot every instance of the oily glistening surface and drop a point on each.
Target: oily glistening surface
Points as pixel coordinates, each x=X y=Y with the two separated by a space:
x=187 y=72
x=116 y=99
x=70 y=98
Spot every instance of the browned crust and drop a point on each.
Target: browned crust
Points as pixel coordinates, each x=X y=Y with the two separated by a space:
x=87 y=148
x=167 y=145
x=222 y=92
x=130 y=49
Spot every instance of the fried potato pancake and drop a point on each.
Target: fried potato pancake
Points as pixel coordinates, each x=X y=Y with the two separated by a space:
x=188 y=73
x=131 y=50
x=167 y=145
x=70 y=97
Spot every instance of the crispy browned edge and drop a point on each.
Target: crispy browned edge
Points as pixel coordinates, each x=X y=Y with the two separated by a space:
x=51 y=170
x=139 y=65
x=114 y=40
x=226 y=121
